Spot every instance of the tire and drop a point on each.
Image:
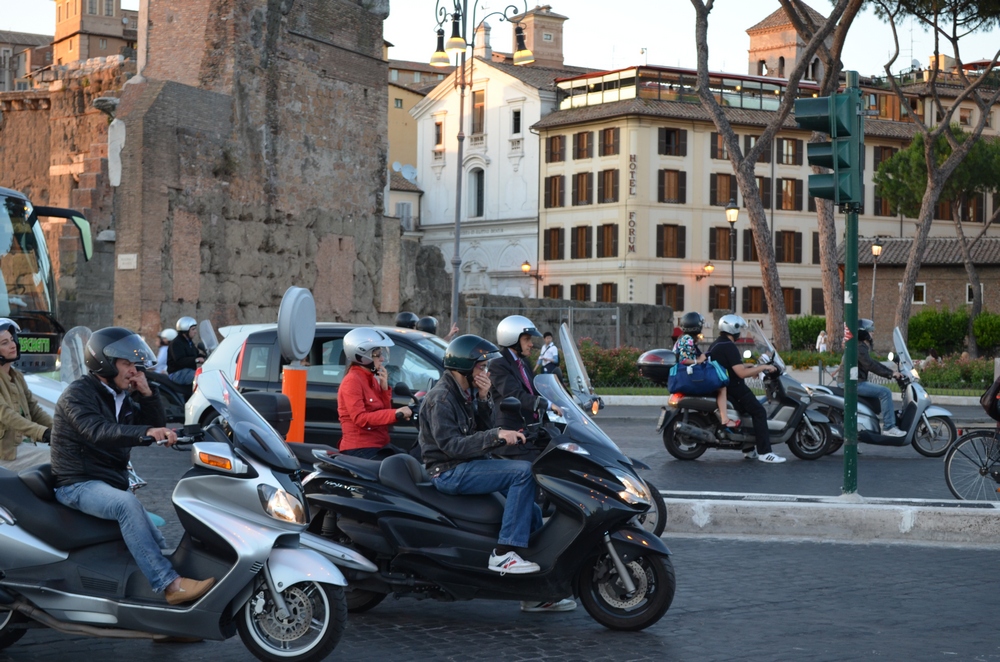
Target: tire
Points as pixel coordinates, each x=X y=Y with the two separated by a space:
x=807 y=447
x=682 y=447
x=602 y=594
x=654 y=520
x=360 y=600
x=318 y=620
x=836 y=417
x=936 y=441
x=972 y=467
x=8 y=634
x=207 y=417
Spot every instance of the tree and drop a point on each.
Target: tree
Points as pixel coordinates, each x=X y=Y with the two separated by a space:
x=902 y=180
x=744 y=164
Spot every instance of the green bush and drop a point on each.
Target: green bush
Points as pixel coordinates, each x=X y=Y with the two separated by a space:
x=956 y=372
x=611 y=367
x=987 y=329
x=801 y=359
x=938 y=329
x=803 y=331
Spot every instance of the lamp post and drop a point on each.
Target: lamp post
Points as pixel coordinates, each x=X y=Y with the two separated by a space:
x=707 y=269
x=876 y=251
x=458 y=45
x=732 y=215
x=526 y=270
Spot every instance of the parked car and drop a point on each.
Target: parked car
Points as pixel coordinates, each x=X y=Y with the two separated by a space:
x=250 y=357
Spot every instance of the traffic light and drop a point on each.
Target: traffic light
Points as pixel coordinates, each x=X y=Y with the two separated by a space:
x=837 y=116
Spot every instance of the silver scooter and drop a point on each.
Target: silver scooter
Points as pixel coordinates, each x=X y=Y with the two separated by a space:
x=244 y=516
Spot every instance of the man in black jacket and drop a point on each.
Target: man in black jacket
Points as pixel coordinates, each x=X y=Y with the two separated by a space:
x=458 y=440
x=867 y=364
x=98 y=419
x=183 y=355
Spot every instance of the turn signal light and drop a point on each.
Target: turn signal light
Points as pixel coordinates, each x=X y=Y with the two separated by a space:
x=216 y=461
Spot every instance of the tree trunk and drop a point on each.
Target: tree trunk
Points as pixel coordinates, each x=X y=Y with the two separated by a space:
x=935 y=183
x=833 y=289
x=970 y=268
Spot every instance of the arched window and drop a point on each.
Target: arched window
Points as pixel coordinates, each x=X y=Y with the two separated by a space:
x=814 y=69
x=781 y=67
x=477 y=186
x=761 y=67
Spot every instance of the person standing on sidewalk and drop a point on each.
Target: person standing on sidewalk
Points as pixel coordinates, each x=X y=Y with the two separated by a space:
x=25 y=428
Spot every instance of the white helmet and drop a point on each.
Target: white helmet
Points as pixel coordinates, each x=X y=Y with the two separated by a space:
x=360 y=343
x=185 y=324
x=510 y=329
x=168 y=334
x=732 y=324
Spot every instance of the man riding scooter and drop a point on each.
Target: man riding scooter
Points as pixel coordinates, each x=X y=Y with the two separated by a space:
x=866 y=389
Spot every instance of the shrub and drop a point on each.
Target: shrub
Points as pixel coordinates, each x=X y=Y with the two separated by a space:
x=956 y=372
x=987 y=329
x=610 y=367
x=803 y=331
x=938 y=329
x=800 y=359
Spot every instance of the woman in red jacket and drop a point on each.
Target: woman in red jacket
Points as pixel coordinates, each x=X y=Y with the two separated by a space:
x=364 y=400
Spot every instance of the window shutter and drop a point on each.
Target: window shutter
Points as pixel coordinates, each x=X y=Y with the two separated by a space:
x=682 y=187
x=812 y=204
x=562 y=191
x=798 y=195
x=548 y=192
x=600 y=187
x=586 y=290
x=798 y=248
x=562 y=148
x=746 y=299
x=681 y=241
x=798 y=152
x=590 y=144
x=713 y=297
x=615 y=147
x=765 y=192
x=682 y=142
x=980 y=208
x=713 y=188
x=614 y=240
x=763 y=298
x=662 y=147
x=660 y=229
x=660 y=298
x=562 y=244
x=818 y=308
x=548 y=150
x=714 y=147
x=590 y=187
x=576 y=190
x=713 y=245
x=815 y=257
x=590 y=243
x=680 y=297
x=746 y=144
x=600 y=242
x=614 y=176
x=547 y=251
x=614 y=292
x=747 y=240
x=574 y=245
x=734 y=192
x=661 y=193
x=798 y=300
x=765 y=156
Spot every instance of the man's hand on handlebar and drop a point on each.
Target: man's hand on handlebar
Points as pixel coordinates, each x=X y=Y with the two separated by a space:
x=511 y=437
x=556 y=409
x=163 y=436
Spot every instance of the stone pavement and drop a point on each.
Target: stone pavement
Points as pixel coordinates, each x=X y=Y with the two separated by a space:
x=735 y=600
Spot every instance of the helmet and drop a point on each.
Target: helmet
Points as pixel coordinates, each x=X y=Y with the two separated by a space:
x=168 y=335
x=510 y=329
x=732 y=324
x=115 y=342
x=360 y=343
x=406 y=320
x=865 y=329
x=427 y=324
x=692 y=323
x=464 y=352
x=185 y=324
x=7 y=324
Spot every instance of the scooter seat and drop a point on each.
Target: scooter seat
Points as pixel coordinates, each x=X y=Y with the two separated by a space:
x=873 y=403
x=405 y=474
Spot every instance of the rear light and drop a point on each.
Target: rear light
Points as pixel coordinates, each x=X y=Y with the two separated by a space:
x=675 y=399
x=239 y=364
x=194 y=384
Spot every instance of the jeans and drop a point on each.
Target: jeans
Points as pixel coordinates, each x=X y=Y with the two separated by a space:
x=143 y=539
x=371 y=452
x=884 y=395
x=513 y=479
x=184 y=377
x=746 y=403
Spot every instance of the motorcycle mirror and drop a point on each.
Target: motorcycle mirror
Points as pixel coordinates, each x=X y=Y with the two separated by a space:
x=510 y=406
x=401 y=389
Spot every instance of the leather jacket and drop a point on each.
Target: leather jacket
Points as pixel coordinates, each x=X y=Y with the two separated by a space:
x=182 y=353
x=89 y=442
x=867 y=364
x=454 y=430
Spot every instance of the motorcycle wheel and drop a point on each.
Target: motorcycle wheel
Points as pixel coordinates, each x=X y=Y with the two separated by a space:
x=604 y=597
x=8 y=634
x=360 y=600
x=654 y=520
x=934 y=442
x=806 y=447
x=318 y=618
x=680 y=446
x=836 y=417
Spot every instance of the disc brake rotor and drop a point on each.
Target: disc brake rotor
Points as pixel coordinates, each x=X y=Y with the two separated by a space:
x=300 y=614
x=613 y=592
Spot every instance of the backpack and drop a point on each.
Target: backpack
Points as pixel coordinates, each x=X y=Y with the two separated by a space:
x=990 y=400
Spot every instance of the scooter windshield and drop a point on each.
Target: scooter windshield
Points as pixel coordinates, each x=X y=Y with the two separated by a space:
x=251 y=432
x=763 y=347
x=905 y=362
x=581 y=427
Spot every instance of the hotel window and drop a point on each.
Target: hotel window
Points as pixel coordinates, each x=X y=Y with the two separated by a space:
x=555 y=149
x=607 y=292
x=719 y=243
x=609 y=141
x=607 y=240
x=672 y=142
x=552 y=292
x=749 y=248
x=793 y=300
x=718 y=298
x=583 y=187
x=721 y=189
x=478 y=111
x=754 y=300
x=789 y=194
x=583 y=145
x=607 y=186
x=750 y=141
x=717 y=147
x=579 y=292
x=672 y=186
x=670 y=294
x=788 y=247
x=789 y=151
x=671 y=241
x=581 y=239
x=553 y=246
x=555 y=191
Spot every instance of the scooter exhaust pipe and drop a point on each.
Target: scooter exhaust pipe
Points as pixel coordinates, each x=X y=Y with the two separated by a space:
x=696 y=432
x=36 y=614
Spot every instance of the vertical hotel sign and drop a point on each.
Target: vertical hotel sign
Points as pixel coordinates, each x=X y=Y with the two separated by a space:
x=633 y=176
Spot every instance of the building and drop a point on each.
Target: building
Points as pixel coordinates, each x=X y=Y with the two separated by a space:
x=775 y=42
x=418 y=76
x=93 y=28
x=21 y=54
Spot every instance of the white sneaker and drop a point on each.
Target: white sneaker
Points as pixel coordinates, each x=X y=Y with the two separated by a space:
x=771 y=458
x=893 y=432
x=511 y=563
x=566 y=604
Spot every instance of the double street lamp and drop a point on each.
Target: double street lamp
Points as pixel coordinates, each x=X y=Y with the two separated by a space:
x=732 y=215
x=458 y=45
x=876 y=251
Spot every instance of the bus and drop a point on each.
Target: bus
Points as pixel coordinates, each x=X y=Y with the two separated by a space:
x=27 y=284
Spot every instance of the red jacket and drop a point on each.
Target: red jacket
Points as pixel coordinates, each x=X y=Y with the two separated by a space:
x=365 y=410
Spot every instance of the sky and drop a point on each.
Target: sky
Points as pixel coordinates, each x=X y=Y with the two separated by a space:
x=610 y=35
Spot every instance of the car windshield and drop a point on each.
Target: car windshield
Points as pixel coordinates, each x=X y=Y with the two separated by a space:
x=762 y=346
x=905 y=362
x=251 y=432
x=434 y=345
x=579 y=424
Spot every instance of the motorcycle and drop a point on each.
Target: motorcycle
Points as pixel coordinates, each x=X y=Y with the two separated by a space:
x=245 y=524
x=690 y=425
x=929 y=428
x=427 y=544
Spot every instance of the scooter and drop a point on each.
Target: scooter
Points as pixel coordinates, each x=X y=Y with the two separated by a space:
x=245 y=524
x=427 y=544
x=690 y=425
x=929 y=428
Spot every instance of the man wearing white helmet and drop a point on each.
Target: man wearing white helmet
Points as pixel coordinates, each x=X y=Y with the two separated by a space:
x=725 y=352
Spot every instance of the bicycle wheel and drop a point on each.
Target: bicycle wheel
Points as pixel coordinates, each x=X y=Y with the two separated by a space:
x=972 y=467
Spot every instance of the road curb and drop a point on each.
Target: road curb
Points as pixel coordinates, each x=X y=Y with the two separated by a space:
x=836 y=518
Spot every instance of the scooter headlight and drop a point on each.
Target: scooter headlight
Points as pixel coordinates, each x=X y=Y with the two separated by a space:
x=635 y=491
x=279 y=504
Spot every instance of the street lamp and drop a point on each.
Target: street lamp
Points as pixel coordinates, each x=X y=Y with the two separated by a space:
x=732 y=215
x=458 y=45
x=876 y=251
x=708 y=269
x=526 y=270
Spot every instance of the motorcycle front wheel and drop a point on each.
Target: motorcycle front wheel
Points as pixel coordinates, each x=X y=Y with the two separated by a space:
x=654 y=520
x=681 y=446
x=605 y=599
x=934 y=441
x=316 y=621
x=805 y=446
x=9 y=634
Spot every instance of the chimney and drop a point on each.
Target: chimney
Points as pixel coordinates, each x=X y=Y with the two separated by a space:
x=483 y=48
x=543 y=35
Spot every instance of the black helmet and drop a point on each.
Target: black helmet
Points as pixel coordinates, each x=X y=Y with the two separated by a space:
x=692 y=323
x=464 y=352
x=407 y=320
x=115 y=342
x=427 y=325
x=7 y=324
x=865 y=329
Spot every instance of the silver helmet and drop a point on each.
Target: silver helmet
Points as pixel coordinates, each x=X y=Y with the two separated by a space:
x=732 y=324
x=510 y=329
x=185 y=324
x=360 y=343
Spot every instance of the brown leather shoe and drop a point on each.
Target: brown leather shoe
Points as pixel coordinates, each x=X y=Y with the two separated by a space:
x=189 y=590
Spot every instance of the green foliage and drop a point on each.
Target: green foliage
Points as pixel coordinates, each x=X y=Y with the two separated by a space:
x=957 y=372
x=803 y=331
x=802 y=359
x=938 y=329
x=986 y=326
x=611 y=367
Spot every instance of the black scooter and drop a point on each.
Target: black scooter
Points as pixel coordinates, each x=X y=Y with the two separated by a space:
x=427 y=544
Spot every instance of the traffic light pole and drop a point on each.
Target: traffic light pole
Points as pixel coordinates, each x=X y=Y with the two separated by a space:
x=851 y=320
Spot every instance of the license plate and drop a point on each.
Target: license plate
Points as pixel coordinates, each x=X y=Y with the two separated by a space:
x=663 y=417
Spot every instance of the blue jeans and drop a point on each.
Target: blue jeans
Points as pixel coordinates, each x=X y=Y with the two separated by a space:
x=184 y=377
x=884 y=396
x=143 y=539
x=513 y=479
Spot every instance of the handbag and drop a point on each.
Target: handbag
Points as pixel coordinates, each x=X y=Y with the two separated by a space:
x=699 y=379
x=990 y=401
